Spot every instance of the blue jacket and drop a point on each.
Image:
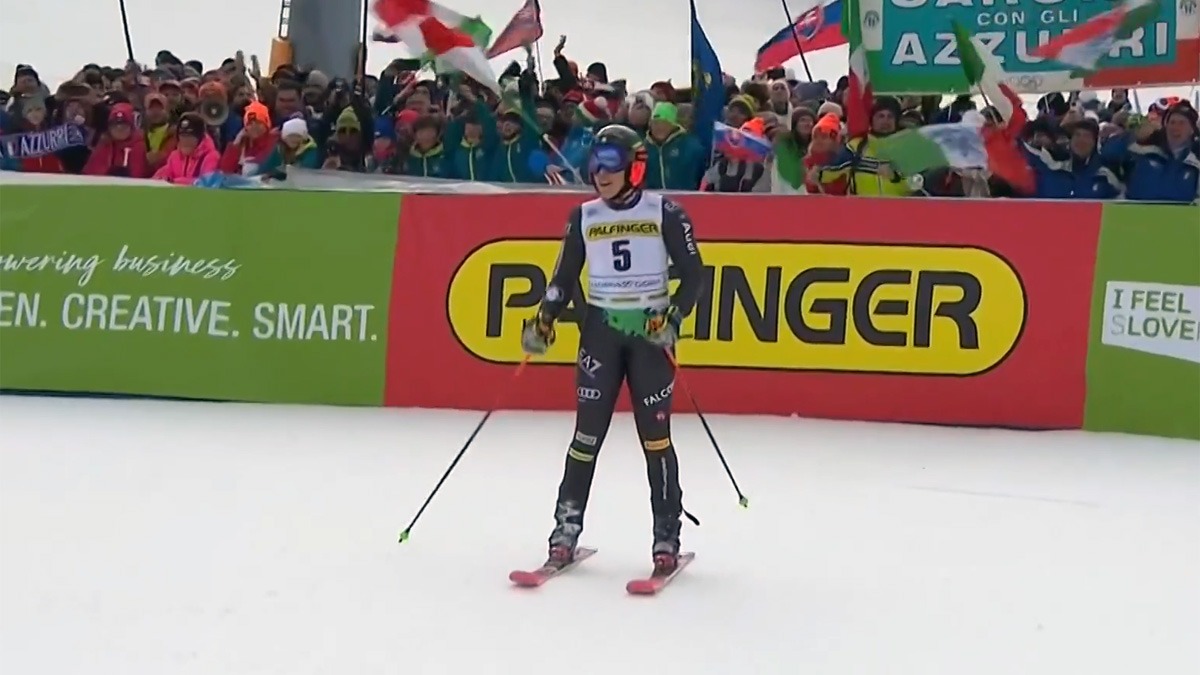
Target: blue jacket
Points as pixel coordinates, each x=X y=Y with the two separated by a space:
x=1153 y=172
x=575 y=148
x=1073 y=177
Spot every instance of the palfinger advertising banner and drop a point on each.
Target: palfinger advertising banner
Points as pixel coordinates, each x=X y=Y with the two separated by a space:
x=211 y=294
x=947 y=312
x=1144 y=356
x=910 y=44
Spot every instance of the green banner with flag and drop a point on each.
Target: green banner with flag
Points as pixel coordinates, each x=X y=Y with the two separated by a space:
x=1143 y=367
x=249 y=295
x=910 y=44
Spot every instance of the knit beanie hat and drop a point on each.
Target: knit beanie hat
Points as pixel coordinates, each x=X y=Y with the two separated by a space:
x=348 y=120
x=800 y=112
x=294 y=127
x=666 y=112
x=256 y=112
x=829 y=124
x=593 y=111
x=1185 y=108
x=830 y=108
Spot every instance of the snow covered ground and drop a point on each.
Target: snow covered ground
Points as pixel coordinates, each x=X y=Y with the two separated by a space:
x=141 y=537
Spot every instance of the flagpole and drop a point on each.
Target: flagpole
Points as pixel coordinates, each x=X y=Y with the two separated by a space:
x=790 y=22
x=362 y=54
x=125 y=25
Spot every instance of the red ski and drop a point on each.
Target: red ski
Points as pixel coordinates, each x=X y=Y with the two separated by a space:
x=654 y=583
x=539 y=576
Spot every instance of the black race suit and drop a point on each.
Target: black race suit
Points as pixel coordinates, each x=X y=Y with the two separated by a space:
x=607 y=357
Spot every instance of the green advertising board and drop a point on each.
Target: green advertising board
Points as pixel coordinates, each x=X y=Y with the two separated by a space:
x=255 y=295
x=1144 y=349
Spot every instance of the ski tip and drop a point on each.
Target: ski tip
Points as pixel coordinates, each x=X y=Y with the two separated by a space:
x=526 y=579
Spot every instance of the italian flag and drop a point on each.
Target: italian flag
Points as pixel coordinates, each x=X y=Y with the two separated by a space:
x=447 y=37
x=859 y=97
x=1087 y=43
x=970 y=144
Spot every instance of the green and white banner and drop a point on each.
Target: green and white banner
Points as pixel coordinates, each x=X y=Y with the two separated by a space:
x=1144 y=352
x=910 y=44
x=214 y=294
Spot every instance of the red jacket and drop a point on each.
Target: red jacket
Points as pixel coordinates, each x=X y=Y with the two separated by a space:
x=119 y=158
x=237 y=155
x=43 y=164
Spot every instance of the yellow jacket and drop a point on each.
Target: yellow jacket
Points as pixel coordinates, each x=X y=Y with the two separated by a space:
x=863 y=174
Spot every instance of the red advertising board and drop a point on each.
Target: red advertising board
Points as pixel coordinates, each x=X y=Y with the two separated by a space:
x=949 y=312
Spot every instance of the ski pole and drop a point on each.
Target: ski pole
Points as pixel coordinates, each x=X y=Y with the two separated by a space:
x=742 y=500
x=478 y=427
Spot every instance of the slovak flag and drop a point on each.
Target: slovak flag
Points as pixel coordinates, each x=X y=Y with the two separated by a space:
x=817 y=28
x=737 y=144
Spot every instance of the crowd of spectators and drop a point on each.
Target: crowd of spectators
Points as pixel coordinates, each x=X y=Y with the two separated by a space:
x=178 y=121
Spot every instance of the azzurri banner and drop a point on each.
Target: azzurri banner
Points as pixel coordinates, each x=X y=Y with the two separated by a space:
x=910 y=43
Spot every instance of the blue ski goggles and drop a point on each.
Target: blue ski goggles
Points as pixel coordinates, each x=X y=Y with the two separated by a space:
x=608 y=157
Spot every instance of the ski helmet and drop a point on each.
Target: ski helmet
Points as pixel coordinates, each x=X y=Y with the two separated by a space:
x=617 y=149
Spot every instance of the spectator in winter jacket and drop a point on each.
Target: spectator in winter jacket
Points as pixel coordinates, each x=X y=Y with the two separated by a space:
x=159 y=133
x=295 y=148
x=822 y=150
x=779 y=99
x=386 y=156
x=729 y=174
x=121 y=151
x=427 y=157
x=1077 y=173
x=641 y=106
x=510 y=161
x=37 y=146
x=739 y=111
x=195 y=153
x=866 y=174
x=1160 y=161
x=346 y=151
x=675 y=159
x=252 y=145
x=471 y=144
x=791 y=150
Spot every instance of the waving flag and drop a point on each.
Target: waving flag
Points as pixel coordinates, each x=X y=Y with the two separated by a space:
x=985 y=73
x=737 y=144
x=1087 y=43
x=859 y=96
x=817 y=28
x=708 y=85
x=523 y=29
x=427 y=27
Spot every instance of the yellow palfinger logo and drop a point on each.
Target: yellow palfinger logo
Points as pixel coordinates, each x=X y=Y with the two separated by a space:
x=875 y=308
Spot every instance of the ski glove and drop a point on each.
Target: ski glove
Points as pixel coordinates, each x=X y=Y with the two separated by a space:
x=662 y=326
x=537 y=334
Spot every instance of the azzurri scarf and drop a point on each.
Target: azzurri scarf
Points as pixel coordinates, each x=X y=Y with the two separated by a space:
x=41 y=143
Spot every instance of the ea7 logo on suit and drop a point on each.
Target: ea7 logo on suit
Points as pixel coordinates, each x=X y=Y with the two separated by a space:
x=587 y=364
x=587 y=394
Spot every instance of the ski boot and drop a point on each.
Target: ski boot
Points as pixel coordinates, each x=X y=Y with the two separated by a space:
x=568 y=518
x=665 y=551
